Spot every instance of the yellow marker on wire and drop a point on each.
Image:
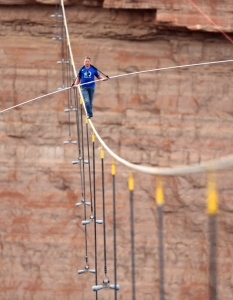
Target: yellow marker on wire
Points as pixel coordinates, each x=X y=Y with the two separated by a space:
x=212 y=194
x=131 y=182
x=102 y=152
x=86 y=120
x=81 y=100
x=113 y=168
x=159 y=191
x=93 y=137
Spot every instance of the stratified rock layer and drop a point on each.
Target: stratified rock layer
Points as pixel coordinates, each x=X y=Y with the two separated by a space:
x=166 y=118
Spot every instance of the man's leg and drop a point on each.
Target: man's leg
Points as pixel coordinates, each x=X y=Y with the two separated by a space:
x=91 y=97
x=87 y=100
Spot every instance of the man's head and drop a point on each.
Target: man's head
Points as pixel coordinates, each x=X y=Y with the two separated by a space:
x=87 y=61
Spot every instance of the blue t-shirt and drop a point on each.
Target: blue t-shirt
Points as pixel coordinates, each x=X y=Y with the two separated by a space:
x=88 y=75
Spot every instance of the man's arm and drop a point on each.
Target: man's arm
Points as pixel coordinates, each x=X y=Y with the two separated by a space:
x=77 y=81
x=101 y=77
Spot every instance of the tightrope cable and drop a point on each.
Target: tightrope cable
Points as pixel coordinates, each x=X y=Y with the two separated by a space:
x=166 y=68
x=123 y=75
x=34 y=99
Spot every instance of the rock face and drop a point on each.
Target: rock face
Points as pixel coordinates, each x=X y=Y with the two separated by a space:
x=167 y=118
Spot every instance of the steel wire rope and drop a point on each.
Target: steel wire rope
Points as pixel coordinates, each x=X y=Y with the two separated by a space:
x=161 y=251
x=160 y=203
x=70 y=99
x=114 y=226
x=67 y=59
x=77 y=123
x=212 y=224
x=120 y=75
x=164 y=69
x=94 y=200
x=131 y=202
x=57 y=8
x=63 y=54
x=57 y=16
x=104 y=217
x=70 y=107
x=212 y=210
x=89 y=167
x=70 y=77
x=84 y=183
x=68 y=38
x=81 y=172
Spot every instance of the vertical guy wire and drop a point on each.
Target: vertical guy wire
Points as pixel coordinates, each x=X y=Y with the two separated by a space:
x=89 y=166
x=131 y=189
x=114 y=226
x=104 y=219
x=63 y=40
x=212 y=210
x=70 y=75
x=94 y=200
x=69 y=106
x=77 y=121
x=84 y=189
x=79 y=141
x=160 y=202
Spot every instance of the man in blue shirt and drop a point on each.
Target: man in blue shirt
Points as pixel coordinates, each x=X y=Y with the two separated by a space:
x=86 y=76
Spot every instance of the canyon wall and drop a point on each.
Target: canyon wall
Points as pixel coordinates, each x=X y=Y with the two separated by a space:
x=166 y=119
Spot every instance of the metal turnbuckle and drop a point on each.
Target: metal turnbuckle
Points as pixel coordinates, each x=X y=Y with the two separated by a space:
x=57 y=38
x=75 y=162
x=56 y=15
x=83 y=202
x=70 y=142
x=105 y=285
x=86 y=269
x=63 y=61
x=85 y=222
x=92 y=218
x=69 y=109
